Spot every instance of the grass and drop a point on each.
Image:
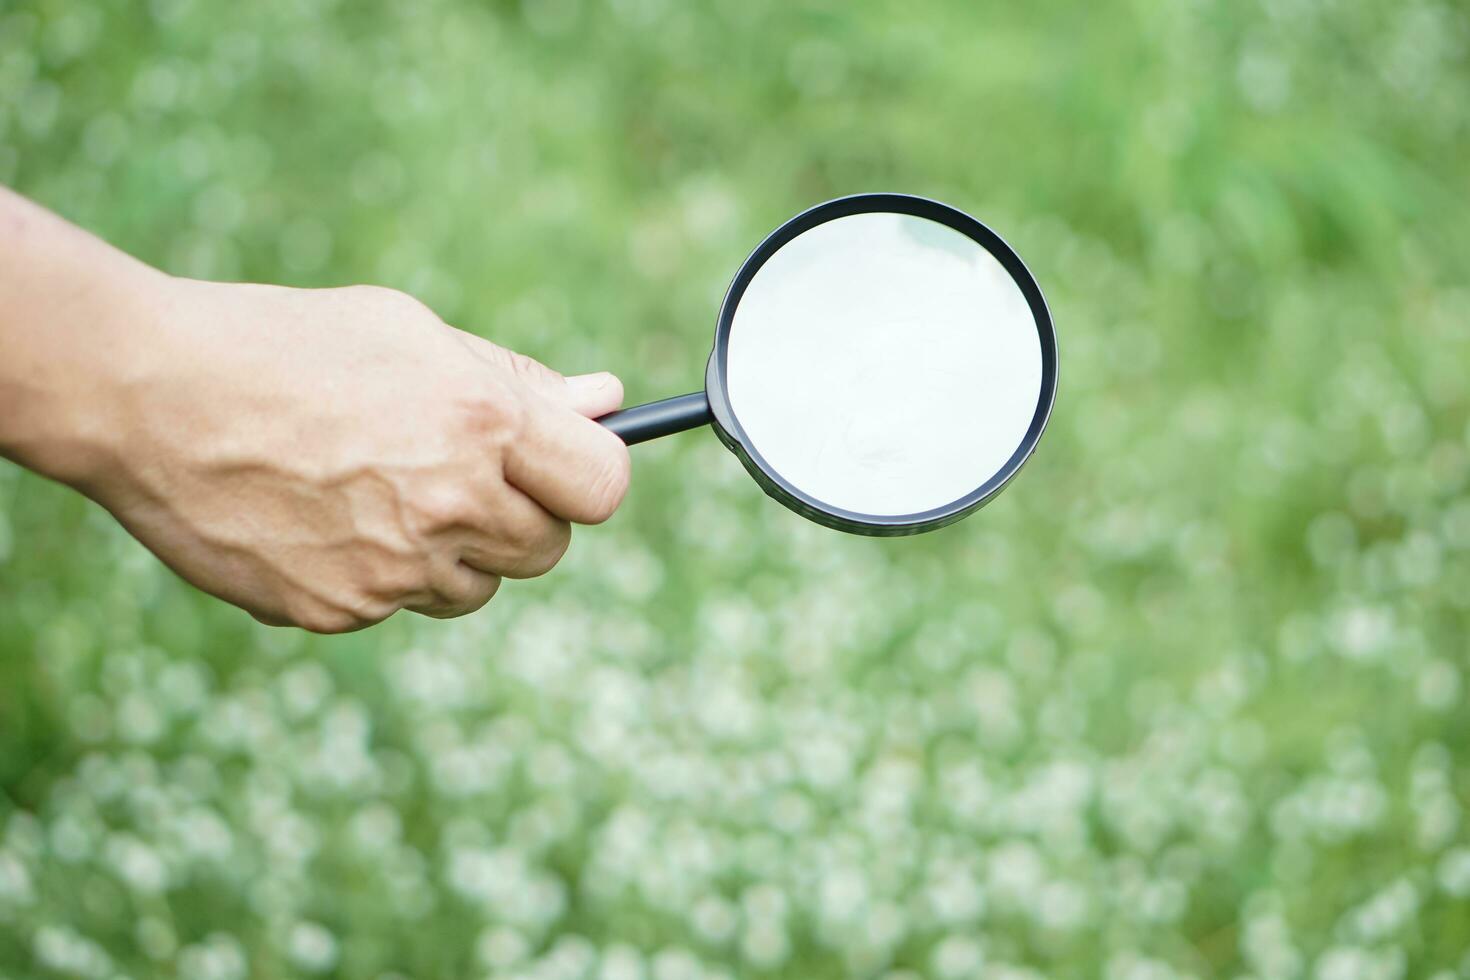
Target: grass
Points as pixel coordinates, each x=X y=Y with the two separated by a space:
x=1189 y=699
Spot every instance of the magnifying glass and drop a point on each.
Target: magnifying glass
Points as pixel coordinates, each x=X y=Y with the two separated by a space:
x=883 y=364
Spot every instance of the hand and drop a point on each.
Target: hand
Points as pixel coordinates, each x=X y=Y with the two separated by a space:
x=321 y=458
x=324 y=458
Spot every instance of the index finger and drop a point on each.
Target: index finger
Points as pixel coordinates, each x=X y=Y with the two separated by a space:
x=567 y=463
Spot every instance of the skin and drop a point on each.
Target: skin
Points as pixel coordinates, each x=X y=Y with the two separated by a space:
x=319 y=457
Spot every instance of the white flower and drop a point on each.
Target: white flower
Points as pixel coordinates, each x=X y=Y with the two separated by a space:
x=842 y=895
x=714 y=918
x=431 y=679
x=621 y=962
x=138 y=721
x=1266 y=945
x=1061 y=906
x=15 y=881
x=1385 y=913
x=155 y=937
x=219 y=957
x=68 y=952
x=1363 y=632
x=203 y=834
x=825 y=761
x=954 y=894
x=137 y=864
x=501 y=947
x=1454 y=872
x=312 y=947
x=183 y=687
x=676 y=963
x=764 y=901
x=304 y=688
x=886 y=926
x=765 y=944
x=570 y=958
x=1357 y=963
x=957 y=957
x=1015 y=872
x=1438 y=685
x=376 y=826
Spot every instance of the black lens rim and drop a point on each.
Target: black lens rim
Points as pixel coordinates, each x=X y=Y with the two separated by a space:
x=727 y=425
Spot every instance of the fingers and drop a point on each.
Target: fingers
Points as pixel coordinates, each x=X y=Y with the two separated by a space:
x=455 y=589
x=524 y=541
x=593 y=395
x=572 y=466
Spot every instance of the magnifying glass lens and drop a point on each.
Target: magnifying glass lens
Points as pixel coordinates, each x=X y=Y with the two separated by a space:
x=884 y=364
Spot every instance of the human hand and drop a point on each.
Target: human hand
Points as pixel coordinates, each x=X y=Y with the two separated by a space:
x=323 y=458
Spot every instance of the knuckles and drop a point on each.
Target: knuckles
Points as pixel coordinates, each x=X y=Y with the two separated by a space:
x=531 y=371
x=609 y=483
x=390 y=581
x=447 y=505
x=392 y=302
x=494 y=417
x=344 y=615
x=536 y=553
x=328 y=621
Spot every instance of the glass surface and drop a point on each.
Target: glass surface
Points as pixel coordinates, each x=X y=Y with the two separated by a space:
x=884 y=364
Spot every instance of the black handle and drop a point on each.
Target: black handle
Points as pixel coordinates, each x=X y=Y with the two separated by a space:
x=662 y=418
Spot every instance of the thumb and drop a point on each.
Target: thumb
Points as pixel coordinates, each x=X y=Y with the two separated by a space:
x=593 y=395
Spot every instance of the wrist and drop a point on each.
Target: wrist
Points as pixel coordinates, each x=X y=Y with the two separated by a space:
x=78 y=359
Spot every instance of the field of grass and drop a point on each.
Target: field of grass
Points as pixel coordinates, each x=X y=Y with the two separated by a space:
x=1190 y=699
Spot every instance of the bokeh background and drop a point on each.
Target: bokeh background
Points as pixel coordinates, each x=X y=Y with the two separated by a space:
x=1188 y=700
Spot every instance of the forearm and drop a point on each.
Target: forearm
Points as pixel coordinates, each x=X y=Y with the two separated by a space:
x=71 y=307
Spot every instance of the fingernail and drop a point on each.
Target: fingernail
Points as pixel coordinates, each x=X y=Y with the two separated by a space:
x=589 y=382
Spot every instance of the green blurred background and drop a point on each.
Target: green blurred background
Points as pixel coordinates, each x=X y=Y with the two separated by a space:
x=1189 y=700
